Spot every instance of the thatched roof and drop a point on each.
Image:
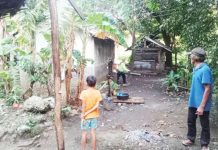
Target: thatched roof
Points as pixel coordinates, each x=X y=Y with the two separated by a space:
x=10 y=6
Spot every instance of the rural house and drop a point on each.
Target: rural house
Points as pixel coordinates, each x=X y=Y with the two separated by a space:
x=98 y=49
x=150 y=55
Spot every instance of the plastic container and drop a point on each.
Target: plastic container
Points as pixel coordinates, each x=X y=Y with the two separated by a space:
x=122 y=96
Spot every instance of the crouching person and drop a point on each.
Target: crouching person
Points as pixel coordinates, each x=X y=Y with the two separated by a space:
x=90 y=111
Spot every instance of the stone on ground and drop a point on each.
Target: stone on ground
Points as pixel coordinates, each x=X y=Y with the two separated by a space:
x=37 y=104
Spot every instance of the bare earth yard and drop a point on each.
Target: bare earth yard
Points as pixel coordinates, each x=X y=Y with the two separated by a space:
x=159 y=124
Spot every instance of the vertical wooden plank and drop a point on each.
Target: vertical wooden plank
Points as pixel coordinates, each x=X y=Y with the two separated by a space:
x=57 y=74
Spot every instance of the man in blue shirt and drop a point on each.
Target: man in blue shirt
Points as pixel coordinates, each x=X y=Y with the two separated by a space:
x=199 y=99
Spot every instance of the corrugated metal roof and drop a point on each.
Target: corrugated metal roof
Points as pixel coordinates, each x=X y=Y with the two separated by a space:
x=158 y=43
x=10 y=6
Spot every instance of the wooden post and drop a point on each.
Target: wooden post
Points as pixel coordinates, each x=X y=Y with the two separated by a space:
x=57 y=73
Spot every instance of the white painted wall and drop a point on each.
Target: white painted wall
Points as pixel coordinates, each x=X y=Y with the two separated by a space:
x=78 y=45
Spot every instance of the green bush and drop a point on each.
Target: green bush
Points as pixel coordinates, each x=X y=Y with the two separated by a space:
x=4 y=81
x=10 y=86
x=66 y=111
x=214 y=111
x=34 y=128
x=104 y=84
x=185 y=77
x=14 y=96
x=171 y=81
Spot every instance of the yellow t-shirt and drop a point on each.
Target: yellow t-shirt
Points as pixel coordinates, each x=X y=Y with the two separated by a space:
x=91 y=96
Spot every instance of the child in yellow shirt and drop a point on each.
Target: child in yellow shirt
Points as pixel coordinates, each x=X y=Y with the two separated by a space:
x=90 y=111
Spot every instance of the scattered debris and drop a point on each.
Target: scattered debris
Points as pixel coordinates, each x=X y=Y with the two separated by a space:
x=123 y=107
x=142 y=135
x=74 y=112
x=2 y=133
x=29 y=142
x=108 y=103
x=161 y=122
x=131 y=109
x=135 y=73
x=146 y=125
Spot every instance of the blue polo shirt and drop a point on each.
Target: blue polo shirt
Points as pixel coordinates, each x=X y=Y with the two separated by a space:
x=201 y=75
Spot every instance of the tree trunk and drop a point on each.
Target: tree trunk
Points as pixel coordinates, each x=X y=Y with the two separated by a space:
x=82 y=65
x=167 y=41
x=176 y=63
x=57 y=74
x=133 y=38
x=68 y=77
x=33 y=45
x=69 y=61
x=48 y=89
x=81 y=81
x=2 y=29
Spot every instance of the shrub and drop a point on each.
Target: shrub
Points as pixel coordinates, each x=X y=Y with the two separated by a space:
x=171 y=81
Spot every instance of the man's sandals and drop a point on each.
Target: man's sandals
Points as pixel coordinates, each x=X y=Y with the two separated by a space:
x=190 y=143
x=187 y=142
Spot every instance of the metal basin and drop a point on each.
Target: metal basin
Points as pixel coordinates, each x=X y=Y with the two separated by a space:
x=122 y=96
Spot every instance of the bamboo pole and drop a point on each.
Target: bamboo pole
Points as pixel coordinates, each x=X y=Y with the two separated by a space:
x=57 y=73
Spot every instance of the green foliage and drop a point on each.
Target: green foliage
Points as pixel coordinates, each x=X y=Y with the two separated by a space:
x=2 y=93
x=15 y=92
x=10 y=86
x=214 y=110
x=38 y=72
x=171 y=81
x=4 y=80
x=185 y=77
x=184 y=69
x=31 y=123
x=114 y=85
x=34 y=129
x=101 y=85
x=107 y=24
x=79 y=60
x=4 y=77
x=104 y=84
x=14 y=96
x=45 y=54
x=66 y=111
x=7 y=48
x=18 y=42
x=24 y=24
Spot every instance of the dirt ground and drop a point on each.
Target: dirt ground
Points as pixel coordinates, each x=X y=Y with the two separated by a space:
x=159 y=124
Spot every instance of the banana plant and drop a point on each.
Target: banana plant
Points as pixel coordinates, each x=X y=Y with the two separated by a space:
x=171 y=81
